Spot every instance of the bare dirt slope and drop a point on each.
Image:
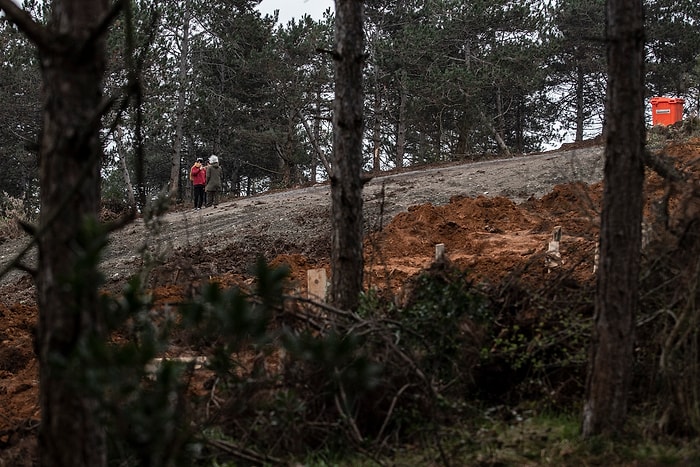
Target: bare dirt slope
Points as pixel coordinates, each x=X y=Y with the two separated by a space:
x=492 y=216
x=298 y=220
x=300 y=217
x=406 y=212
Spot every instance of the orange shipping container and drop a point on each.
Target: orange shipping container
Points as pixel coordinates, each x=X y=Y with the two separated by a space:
x=666 y=110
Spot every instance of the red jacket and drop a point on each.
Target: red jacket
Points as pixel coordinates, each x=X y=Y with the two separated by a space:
x=199 y=176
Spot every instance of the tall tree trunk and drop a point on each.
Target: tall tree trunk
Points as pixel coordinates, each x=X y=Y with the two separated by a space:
x=316 y=135
x=610 y=365
x=346 y=181
x=401 y=126
x=314 y=138
x=72 y=59
x=519 y=137
x=502 y=146
x=121 y=151
x=500 y=112
x=579 y=102
x=181 y=94
x=220 y=115
x=377 y=124
x=287 y=173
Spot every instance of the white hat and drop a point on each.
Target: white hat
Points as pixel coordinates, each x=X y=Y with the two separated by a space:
x=213 y=159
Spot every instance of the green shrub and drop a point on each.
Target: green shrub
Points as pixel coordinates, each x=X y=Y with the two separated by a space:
x=444 y=324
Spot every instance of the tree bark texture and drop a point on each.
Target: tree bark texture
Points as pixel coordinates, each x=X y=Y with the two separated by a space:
x=610 y=365
x=346 y=180
x=580 y=104
x=377 y=124
x=73 y=67
x=401 y=124
x=175 y=163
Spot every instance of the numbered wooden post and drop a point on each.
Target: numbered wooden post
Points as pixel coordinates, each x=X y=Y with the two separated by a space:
x=317 y=284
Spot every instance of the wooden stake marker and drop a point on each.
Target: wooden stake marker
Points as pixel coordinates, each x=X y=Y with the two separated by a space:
x=439 y=251
x=317 y=284
x=552 y=259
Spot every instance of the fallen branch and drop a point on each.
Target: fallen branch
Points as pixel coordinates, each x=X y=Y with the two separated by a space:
x=243 y=453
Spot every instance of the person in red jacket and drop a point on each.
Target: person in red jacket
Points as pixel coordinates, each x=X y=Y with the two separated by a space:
x=198 y=175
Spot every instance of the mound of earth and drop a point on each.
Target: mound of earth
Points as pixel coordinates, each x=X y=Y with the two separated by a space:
x=493 y=218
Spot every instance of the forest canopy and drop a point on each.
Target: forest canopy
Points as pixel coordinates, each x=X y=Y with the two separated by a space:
x=444 y=81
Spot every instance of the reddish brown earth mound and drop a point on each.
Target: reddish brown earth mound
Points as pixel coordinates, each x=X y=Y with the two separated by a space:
x=490 y=237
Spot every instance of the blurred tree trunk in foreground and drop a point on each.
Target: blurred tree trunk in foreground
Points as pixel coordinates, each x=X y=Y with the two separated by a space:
x=610 y=365
x=346 y=174
x=72 y=57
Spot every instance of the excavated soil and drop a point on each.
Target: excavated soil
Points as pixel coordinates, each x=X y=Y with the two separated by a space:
x=493 y=218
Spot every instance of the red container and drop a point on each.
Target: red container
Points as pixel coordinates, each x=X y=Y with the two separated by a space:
x=666 y=110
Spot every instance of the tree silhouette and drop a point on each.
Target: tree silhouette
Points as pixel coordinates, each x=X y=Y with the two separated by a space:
x=610 y=366
x=346 y=171
x=71 y=49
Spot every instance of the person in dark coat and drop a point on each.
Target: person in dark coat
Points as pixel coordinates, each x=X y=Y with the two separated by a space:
x=213 y=181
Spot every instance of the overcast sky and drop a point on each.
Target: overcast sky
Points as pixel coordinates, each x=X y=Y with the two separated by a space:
x=296 y=8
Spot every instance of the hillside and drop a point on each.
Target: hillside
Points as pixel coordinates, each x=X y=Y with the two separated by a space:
x=494 y=218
